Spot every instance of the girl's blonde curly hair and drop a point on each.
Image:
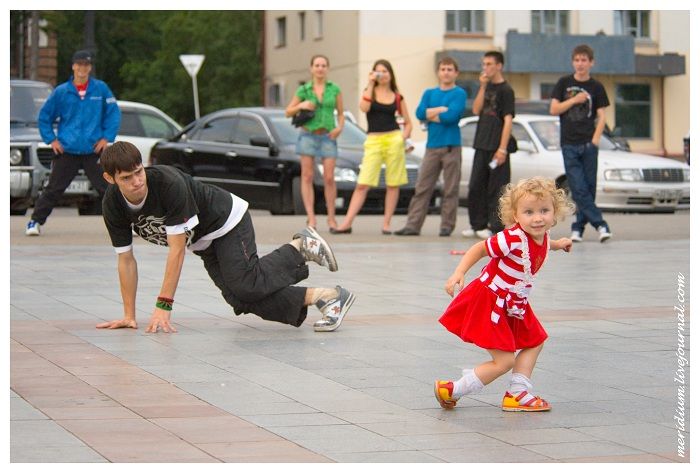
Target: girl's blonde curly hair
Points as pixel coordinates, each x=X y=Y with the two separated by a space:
x=540 y=188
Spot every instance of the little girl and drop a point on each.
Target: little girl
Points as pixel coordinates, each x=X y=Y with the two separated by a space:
x=493 y=311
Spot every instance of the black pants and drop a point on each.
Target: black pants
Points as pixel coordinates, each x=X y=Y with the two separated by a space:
x=485 y=188
x=64 y=168
x=261 y=286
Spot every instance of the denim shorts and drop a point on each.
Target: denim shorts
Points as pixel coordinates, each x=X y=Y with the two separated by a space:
x=318 y=146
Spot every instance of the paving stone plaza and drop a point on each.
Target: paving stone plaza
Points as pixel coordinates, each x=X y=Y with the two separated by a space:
x=230 y=388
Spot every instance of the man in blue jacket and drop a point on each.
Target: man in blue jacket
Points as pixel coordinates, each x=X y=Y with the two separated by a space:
x=441 y=107
x=89 y=119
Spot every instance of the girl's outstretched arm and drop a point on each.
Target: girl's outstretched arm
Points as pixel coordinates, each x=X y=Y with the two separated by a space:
x=470 y=258
x=561 y=244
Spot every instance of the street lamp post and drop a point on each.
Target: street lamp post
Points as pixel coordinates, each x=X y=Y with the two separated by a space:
x=192 y=63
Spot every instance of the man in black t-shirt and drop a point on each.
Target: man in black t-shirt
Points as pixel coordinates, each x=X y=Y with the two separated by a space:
x=495 y=105
x=580 y=102
x=167 y=207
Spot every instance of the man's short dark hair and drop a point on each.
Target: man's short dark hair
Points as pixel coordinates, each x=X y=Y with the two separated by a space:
x=448 y=61
x=584 y=49
x=496 y=55
x=121 y=156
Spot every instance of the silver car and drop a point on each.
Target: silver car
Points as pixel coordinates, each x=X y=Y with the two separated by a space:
x=626 y=181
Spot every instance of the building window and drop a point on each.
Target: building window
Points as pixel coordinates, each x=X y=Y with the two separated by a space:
x=274 y=95
x=302 y=26
x=550 y=21
x=632 y=22
x=465 y=21
x=281 y=31
x=319 y=24
x=633 y=110
x=546 y=90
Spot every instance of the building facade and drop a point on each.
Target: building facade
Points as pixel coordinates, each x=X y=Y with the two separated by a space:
x=642 y=58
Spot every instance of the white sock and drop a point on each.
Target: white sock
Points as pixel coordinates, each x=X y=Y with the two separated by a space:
x=469 y=383
x=323 y=293
x=519 y=383
x=296 y=243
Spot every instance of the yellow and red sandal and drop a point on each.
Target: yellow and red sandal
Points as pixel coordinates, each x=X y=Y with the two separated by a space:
x=443 y=394
x=524 y=402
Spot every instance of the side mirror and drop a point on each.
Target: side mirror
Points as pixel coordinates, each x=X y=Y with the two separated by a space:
x=526 y=146
x=264 y=142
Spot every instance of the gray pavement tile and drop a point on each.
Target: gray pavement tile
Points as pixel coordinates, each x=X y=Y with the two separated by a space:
x=51 y=454
x=291 y=420
x=582 y=449
x=540 y=436
x=414 y=427
x=41 y=433
x=404 y=456
x=488 y=454
x=22 y=410
x=435 y=441
x=652 y=438
x=338 y=439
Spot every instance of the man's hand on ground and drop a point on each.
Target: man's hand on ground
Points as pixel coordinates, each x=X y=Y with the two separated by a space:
x=160 y=318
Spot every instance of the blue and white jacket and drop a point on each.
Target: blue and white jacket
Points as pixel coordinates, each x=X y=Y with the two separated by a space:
x=82 y=123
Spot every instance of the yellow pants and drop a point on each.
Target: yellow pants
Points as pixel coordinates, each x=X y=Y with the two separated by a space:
x=384 y=149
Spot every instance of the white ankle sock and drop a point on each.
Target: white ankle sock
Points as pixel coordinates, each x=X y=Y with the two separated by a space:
x=469 y=383
x=323 y=293
x=518 y=383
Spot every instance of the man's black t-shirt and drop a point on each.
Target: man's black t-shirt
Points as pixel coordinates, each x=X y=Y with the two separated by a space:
x=174 y=199
x=578 y=123
x=499 y=101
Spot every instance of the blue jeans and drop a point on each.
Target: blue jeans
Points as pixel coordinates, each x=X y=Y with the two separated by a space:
x=319 y=146
x=581 y=165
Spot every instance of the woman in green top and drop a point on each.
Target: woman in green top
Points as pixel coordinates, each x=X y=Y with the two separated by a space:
x=318 y=136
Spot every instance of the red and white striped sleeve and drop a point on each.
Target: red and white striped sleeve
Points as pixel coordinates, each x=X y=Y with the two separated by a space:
x=502 y=243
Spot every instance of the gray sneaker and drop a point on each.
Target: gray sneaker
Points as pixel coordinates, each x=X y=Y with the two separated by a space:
x=334 y=310
x=315 y=248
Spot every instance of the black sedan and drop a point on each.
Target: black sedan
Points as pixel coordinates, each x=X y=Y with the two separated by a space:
x=250 y=152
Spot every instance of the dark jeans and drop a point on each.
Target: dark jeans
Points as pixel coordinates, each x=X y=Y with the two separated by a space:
x=261 y=286
x=64 y=168
x=581 y=165
x=485 y=188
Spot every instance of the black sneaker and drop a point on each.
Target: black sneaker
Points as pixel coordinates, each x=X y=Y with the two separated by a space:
x=315 y=248
x=334 y=310
x=445 y=232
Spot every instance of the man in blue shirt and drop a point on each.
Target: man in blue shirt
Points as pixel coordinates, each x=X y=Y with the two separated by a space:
x=88 y=118
x=441 y=107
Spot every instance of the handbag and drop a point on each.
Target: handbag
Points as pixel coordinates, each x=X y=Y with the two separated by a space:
x=302 y=117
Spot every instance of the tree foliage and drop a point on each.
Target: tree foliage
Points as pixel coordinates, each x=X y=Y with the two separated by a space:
x=138 y=56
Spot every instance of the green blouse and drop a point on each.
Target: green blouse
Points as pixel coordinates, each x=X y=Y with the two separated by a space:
x=324 y=117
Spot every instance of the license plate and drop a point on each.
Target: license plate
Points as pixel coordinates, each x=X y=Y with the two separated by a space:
x=667 y=194
x=78 y=187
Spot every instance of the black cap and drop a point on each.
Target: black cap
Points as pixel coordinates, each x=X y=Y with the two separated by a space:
x=82 y=56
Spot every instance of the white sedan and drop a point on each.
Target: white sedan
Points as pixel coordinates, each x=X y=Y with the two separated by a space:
x=144 y=125
x=626 y=181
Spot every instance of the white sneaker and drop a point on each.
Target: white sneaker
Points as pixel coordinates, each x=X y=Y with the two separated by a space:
x=469 y=233
x=604 y=234
x=484 y=234
x=576 y=236
x=33 y=228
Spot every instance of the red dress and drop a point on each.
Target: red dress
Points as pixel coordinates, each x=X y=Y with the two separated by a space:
x=493 y=312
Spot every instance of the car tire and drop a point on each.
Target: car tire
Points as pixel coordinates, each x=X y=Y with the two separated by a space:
x=296 y=197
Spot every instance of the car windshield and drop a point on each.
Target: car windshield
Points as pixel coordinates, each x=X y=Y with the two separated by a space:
x=548 y=133
x=351 y=137
x=26 y=101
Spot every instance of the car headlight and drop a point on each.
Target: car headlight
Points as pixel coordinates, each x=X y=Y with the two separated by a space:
x=686 y=175
x=627 y=175
x=15 y=157
x=341 y=174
